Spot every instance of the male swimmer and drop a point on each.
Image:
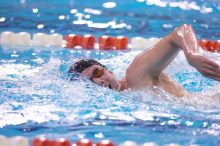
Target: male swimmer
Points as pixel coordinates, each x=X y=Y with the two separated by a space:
x=147 y=67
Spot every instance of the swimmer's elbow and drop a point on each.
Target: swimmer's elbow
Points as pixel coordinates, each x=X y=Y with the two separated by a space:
x=184 y=27
x=180 y=32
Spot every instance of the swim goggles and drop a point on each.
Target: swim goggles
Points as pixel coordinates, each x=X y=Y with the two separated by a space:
x=97 y=73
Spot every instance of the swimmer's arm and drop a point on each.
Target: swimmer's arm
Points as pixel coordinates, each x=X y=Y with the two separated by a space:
x=184 y=38
x=152 y=62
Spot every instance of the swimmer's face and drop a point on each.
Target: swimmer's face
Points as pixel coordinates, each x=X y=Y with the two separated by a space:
x=101 y=76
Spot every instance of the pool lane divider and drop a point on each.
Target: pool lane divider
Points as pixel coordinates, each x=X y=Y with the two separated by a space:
x=43 y=141
x=75 y=41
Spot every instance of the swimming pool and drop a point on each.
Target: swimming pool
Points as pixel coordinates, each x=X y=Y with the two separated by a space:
x=37 y=99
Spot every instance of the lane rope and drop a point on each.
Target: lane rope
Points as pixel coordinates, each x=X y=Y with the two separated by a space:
x=71 y=41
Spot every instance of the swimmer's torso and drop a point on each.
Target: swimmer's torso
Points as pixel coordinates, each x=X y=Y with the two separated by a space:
x=162 y=80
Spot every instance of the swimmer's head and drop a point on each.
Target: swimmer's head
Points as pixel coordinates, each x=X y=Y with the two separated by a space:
x=79 y=66
x=96 y=72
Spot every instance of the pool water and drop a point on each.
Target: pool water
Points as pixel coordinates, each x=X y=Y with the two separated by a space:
x=36 y=97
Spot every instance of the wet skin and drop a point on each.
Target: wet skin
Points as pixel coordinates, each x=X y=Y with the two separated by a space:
x=147 y=67
x=108 y=79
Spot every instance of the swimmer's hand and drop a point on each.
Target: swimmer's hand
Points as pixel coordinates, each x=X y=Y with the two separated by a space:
x=205 y=66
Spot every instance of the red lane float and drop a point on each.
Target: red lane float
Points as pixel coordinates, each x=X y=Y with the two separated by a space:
x=105 y=143
x=61 y=142
x=209 y=45
x=42 y=141
x=88 y=42
x=84 y=142
x=121 y=43
x=73 y=40
x=113 y=43
x=106 y=43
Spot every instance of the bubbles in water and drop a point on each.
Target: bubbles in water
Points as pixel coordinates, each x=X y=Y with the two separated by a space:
x=46 y=90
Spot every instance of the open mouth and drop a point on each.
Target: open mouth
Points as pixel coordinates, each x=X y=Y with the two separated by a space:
x=110 y=86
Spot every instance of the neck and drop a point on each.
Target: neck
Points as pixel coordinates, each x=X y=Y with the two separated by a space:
x=122 y=84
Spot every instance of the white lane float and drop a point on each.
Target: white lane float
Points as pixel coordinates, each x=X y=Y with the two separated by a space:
x=4 y=141
x=172 y=144
x=143 y=43
x=132 y=143
x=13 y=141
x=18 y=141
x=22 y=39
x=40 y=39
x=138 y=42
x=150 y=144
x=128 y=143
x=7 y=37
x=56 y=40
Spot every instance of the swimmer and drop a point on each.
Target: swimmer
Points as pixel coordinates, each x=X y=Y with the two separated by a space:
x=147 y=67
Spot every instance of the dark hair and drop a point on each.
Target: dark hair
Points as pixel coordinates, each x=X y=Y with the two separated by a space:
x=81 y=65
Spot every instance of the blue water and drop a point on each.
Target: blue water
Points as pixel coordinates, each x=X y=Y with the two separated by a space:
x=36 y=98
